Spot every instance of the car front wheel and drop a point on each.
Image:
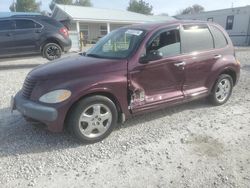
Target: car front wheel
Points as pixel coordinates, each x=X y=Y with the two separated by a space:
x=222 y=90
x=93 y=119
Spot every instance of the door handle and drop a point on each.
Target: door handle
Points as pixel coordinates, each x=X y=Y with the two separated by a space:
x=136 y=71
x=217 y=56
x=180 y=64
x=38 y=31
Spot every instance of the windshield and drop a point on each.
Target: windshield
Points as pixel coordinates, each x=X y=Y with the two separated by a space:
x=118 y=44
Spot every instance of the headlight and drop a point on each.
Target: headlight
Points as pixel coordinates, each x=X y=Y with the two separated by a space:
x=56 y=96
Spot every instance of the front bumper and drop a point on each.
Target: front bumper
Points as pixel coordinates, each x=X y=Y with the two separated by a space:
x=34 y=110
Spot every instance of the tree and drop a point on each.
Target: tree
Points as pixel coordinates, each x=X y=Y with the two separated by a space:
x=84 y=3
x=25 y=6
x=163 y=14
x=140 y=7
x=198 y=8
x=63 y=2
x=192 y=10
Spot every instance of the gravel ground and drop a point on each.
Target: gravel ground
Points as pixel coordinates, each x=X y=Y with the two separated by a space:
x=191 y=145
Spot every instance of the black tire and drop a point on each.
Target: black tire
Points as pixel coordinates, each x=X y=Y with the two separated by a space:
x=215 y=100
x=73 y=120
x=52 y=51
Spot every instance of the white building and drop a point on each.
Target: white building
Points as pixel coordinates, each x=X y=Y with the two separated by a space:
x=236 y=21
x=94 y=23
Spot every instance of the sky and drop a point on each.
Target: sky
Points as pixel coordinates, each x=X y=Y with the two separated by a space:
x=160 y=6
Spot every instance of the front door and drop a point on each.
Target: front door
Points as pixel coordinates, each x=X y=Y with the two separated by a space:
x=27 y=36
x=158 y=82
x=7 y=44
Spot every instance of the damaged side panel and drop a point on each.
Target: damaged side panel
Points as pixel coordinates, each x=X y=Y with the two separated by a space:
x=154 y=84
x=136 y=95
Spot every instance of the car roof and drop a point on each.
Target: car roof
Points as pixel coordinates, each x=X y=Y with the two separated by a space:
x=11 y=15
x=18 y=14
x=155 y=25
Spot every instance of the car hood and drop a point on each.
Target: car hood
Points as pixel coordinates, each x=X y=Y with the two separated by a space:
x=75 y=66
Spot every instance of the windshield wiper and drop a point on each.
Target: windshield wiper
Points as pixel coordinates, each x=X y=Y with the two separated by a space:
x=94 y=55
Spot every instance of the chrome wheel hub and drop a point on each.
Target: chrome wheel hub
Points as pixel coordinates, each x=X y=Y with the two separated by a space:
x=223 y=90
x=95 y=120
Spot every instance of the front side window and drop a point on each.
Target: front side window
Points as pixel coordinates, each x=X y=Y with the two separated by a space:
x=6 y=25
x=118 y=44
x=230 y=23
x=219 y=38
x=25 y=24
x=167 y=42
x=196 y=38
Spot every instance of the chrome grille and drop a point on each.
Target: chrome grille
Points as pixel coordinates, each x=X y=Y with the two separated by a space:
x=28 y=87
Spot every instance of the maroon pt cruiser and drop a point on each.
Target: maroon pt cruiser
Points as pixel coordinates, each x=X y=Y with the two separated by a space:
x=132 y=70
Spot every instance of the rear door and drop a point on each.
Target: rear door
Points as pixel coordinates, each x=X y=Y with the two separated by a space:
x=27 y=35
x=198 y=45
x=7 y=45
x=158 y=82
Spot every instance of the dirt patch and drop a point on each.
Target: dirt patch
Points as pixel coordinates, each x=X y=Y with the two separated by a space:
x=205 y=145
x=246 y=67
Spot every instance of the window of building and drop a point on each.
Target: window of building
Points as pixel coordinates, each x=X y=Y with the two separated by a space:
x=196 y=38
x=103 y=30
x=6 y=25
x=230 y=23
x=210 y=19
x=84 y=30
x=167 y=42
x=219 y=38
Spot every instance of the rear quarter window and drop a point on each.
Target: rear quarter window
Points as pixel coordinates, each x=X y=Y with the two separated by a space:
x=220 y=40
x=52 y=22
x=196 y=38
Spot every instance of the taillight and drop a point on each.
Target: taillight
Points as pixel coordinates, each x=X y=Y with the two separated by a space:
x=64 y=31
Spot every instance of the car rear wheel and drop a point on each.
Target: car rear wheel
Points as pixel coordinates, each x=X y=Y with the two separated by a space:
x=93 y=119
x=222 y=90
x=52 y=51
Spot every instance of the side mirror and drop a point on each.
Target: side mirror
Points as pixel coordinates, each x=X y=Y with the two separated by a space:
x=151 y=56
x=82 y=53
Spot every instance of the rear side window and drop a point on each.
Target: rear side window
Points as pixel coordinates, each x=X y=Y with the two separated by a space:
x=52 y=22
x=219 y=38
x=196 y=38
x=25 y=24
x=166 y=42
x=6 y=25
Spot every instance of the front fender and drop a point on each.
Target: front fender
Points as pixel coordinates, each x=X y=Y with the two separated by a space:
x=113 y=85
